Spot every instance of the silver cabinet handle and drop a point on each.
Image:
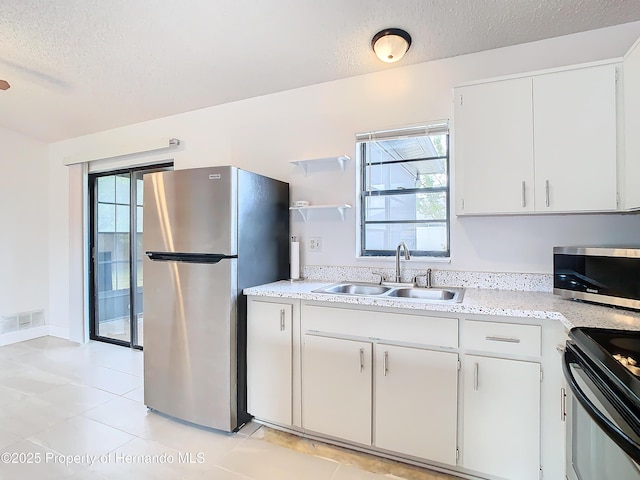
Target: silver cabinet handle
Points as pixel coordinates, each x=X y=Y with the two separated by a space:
x=282 y=325
x=476 y=369
x=563 y=405
x=361 y=360
x=502 y=339
x=386 y=363
x=524 y=195
x=546 y=190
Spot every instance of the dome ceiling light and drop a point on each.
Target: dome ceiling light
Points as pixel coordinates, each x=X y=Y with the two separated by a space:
x=391 y=44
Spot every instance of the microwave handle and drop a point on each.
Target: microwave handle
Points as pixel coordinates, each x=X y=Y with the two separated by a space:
x=617 y=435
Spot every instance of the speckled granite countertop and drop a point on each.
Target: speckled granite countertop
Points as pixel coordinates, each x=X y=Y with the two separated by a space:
x=477 y=301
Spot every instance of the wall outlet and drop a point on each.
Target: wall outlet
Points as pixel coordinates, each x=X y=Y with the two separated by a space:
x=315 y=244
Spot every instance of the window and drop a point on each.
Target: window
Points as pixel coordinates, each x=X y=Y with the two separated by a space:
x=404 y=190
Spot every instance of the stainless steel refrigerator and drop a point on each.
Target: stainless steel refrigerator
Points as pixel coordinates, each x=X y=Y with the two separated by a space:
x=208 y=233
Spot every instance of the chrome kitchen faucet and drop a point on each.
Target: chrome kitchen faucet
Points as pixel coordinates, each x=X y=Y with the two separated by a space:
x=407 y=256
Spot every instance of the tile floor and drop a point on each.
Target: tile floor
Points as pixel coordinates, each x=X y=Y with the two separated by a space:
x=70 y=411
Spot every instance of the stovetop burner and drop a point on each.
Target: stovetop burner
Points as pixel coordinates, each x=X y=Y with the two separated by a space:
x=622 y=345
x=615 y=352
x=629 y=363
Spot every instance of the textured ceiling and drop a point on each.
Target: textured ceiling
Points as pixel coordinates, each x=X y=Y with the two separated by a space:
x=82 y=66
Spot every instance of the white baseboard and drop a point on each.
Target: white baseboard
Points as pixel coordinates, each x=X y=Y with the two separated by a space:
x=22 y=335
x=58 y=331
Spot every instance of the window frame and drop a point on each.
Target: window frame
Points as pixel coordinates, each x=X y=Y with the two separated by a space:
x=363 y=193
x=133 y=260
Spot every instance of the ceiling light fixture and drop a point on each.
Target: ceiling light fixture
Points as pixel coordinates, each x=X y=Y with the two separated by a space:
x=391 y=44
x=4 y=85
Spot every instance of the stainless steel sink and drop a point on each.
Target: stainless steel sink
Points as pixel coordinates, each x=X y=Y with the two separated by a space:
x=354 y=289
x=446 y=295
x=442 y=294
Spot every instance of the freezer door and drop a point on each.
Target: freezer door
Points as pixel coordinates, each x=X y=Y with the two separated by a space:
x=190 y=360
x=191 y=211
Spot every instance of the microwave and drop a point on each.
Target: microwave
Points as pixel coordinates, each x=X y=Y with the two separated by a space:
x=606 y=275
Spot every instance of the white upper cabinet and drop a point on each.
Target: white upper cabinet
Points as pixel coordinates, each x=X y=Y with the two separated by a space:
x=631 y=180
x=574 y=132
x=541 y=143
x=494 y=147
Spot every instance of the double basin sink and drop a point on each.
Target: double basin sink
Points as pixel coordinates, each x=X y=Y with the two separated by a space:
x=431 y=294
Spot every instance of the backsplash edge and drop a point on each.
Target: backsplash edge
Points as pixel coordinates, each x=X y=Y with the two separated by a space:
x=526 y=282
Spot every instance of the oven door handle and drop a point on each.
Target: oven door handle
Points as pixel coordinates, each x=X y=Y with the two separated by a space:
x=618 y=436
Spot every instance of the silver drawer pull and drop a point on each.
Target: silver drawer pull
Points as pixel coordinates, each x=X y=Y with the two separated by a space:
x=386 y=363
x=282 y=320
x=502 y=339
x=361 y=360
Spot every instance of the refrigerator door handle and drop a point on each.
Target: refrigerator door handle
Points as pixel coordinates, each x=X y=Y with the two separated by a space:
x=187 y=257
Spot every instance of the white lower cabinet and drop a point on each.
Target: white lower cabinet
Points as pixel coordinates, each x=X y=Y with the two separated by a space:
x=336 y=388
x=462 y=394
x=416 y=395
x=361 y=384
x=269 y=361
x=501 y=412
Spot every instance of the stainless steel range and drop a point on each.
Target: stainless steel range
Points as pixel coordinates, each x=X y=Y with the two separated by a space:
x=601 y=369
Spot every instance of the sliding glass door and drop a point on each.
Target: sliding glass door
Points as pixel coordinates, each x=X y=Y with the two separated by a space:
x=116 y=238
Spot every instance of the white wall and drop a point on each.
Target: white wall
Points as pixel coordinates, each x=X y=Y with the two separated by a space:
x=264 y=134
x=24 y=254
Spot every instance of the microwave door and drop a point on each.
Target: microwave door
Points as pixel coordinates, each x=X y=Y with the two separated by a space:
x=605 y=275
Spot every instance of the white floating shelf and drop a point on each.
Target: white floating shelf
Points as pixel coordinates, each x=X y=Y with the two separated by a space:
x=304 y=211
x=304 y=164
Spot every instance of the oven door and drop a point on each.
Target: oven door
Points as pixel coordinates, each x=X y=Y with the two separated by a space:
x=599 y=437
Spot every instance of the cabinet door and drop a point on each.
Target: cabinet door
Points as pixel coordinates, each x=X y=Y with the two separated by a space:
x=493 y=139
x=416 y=398
x=501 y=417
x=632 y=127
x=336 y=388
x=575 y=139
x=269 y=357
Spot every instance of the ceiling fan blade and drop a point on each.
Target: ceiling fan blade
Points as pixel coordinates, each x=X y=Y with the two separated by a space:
x=4 y=85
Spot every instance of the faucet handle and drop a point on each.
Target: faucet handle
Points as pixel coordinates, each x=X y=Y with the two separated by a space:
x=415 y=279
x=427 y=278
x=381 y=277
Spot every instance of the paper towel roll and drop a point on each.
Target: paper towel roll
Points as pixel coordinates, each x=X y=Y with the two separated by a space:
x=295 y=260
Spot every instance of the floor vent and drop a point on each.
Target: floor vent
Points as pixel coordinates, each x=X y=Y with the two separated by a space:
x=21 y=321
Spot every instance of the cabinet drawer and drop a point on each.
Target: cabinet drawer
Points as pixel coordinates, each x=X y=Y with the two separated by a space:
x=496 y=337
x=425 y=330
